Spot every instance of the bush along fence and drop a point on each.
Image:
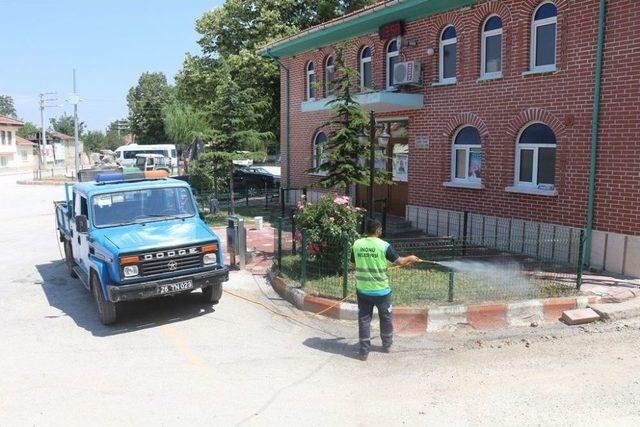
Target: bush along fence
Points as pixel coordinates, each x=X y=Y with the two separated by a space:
x=453 y=270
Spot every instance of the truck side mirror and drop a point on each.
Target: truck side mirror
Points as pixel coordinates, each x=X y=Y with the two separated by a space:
x=82 y=225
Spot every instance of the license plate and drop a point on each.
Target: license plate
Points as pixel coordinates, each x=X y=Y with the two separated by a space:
x=175 y=287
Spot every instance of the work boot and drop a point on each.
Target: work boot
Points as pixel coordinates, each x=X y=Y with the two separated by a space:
x=386 y=349
x=363 y=356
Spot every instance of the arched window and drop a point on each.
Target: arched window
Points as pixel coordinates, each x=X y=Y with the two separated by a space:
x=393 y=52
x=319 y=146
x=536 y=156
x=466 y=155
x=310 y=81
x=329 y=76
x=491 y=53
x=366 y=70
x=448 y=55
x=543 y=37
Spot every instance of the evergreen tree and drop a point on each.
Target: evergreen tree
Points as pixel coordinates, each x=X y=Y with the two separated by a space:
x=342 y=164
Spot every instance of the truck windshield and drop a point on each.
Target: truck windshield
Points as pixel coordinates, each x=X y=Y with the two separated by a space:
x=128 y=207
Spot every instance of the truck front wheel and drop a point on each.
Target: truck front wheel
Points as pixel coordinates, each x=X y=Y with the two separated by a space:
x=107 y=310
x=212 y=293
x=68 y=259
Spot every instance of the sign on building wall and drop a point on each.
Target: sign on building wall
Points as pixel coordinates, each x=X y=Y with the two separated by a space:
x=401 y=162
x=422 y=142
x=391 y=30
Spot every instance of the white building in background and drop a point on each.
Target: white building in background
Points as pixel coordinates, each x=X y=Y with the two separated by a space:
x=15 y=153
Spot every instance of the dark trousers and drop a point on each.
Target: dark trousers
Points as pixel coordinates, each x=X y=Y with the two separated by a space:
x=365 y=314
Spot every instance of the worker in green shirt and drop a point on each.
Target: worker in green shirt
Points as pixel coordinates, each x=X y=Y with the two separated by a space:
x=372 y=256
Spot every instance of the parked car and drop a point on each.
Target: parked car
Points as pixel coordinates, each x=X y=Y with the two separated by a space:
x=152 y=162
x=255 y=181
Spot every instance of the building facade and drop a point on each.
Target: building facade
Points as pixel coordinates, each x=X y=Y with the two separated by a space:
x=501 y=121
x=13 y=153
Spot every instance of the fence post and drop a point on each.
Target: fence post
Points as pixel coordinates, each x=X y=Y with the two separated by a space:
x=279 y=243
x=246 y=193
x=303 y=272
x=293 y=235
x=282 y=207
x=346 y=249
x=452 y=241
x=580 y=260
x=465 y=221
x=266 y=195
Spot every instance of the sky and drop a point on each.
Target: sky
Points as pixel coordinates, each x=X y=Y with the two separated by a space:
x=109 y=43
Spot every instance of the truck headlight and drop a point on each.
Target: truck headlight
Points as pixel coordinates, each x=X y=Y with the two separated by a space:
x=209 y=259
x=130 y=270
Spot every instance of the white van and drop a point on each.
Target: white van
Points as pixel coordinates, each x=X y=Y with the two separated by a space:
x=127 y=153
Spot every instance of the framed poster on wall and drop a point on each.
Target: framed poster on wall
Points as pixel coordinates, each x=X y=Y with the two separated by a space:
x=401 y=162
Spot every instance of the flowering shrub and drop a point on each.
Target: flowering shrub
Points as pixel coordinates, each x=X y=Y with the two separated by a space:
x=325 y=222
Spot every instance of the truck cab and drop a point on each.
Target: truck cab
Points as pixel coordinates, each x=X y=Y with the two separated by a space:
x=129 y=239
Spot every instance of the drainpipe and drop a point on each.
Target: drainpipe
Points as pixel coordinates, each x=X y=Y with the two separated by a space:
x=287 y=128
x=594 y=137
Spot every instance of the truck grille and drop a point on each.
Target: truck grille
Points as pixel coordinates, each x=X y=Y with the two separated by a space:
x=170 y=261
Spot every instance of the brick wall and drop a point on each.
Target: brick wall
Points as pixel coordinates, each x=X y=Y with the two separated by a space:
x=501 y=108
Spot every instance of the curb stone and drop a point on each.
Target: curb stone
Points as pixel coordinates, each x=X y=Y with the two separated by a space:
x=419 y=320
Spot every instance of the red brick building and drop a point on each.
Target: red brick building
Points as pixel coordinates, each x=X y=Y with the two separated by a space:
x=500 y=121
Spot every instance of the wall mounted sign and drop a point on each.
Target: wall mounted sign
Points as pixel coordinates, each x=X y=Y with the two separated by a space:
x=401 y=162
x=422 y=142
x=391 y=30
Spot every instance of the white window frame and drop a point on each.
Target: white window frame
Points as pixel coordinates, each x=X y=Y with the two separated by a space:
x=310 y=80
x=466 y=148
x=363 y=61
x=326 y=76
x=534 y=167
x=24 y=155
x=483 y=49
x=9 y=137
x=315 y=147
x=388 y=55
x=2 y=137
x=442 y=44
x=534 y=32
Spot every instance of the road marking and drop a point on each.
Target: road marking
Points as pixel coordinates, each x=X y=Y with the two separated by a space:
x=180 y=345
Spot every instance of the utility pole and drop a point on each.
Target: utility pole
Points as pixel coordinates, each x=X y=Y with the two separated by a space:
x=74 y=99
x=43 y=132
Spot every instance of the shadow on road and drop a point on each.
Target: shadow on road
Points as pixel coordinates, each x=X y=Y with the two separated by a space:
x=75 y=301
x=333 y=346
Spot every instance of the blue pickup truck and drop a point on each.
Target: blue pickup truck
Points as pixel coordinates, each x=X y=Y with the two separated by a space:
x=129 y=239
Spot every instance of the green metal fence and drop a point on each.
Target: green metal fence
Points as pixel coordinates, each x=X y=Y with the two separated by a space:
x=452 y=270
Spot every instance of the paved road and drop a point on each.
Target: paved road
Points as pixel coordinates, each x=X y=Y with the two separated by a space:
x=176 y=361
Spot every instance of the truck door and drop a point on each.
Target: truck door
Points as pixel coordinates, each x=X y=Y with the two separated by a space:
x=80 y=243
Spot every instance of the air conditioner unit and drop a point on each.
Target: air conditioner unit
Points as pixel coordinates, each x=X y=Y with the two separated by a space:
x=406 y=73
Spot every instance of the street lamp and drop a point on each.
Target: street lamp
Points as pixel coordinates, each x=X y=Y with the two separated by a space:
x=383 y=140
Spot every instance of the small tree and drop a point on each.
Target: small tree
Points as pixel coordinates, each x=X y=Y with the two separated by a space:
x=7 y=108
x=342 y=165
x=184 y=124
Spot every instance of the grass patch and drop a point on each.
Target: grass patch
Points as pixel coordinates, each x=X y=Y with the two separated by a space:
x=422 y=285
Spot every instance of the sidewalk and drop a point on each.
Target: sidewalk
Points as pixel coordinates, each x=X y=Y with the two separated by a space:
x=260 y=242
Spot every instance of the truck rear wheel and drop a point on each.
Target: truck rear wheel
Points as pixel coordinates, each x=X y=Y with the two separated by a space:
x=68 y=259
x=107 y=310
x=212 y=293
